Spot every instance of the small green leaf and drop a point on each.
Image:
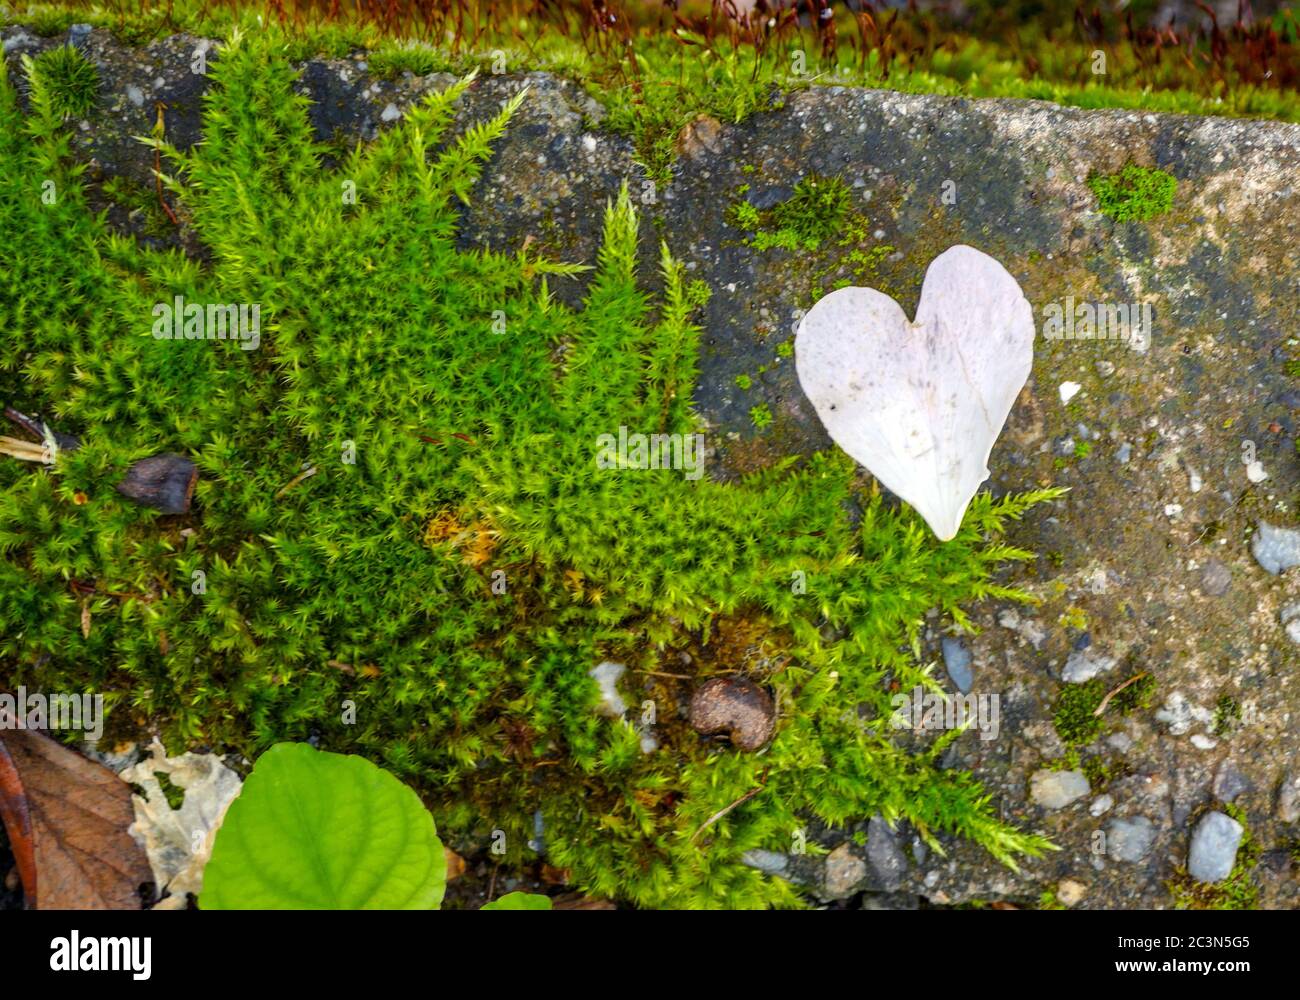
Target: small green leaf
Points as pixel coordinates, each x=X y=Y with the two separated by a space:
x=322 y=831
x=519 y=901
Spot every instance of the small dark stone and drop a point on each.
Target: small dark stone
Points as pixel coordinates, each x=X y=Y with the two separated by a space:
x=163 y=482
x=1216 y=578
x=737 y=707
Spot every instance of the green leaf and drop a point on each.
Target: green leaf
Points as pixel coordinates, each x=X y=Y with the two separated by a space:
x=323 y=831
x=519 y=901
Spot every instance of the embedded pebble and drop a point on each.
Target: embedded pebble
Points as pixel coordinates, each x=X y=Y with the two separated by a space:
x=1130 y=839
x=843 y=872
x=1057 y=789
x=1085 y=664
x=1101 y=804
x=886 y=857
x=771 y=862
x=1214 y=847
x=1229 y=782
x=957 y=660
x=1288 y=797
x=1291 y=622
x=1276 y=549
x=1216 y=578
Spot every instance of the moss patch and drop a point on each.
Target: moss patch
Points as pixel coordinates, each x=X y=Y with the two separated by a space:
x=1135 y=194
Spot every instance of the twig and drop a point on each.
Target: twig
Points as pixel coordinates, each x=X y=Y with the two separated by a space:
x=1106 y=701
x=305 y=474
x=722 y=812
x=25 y=450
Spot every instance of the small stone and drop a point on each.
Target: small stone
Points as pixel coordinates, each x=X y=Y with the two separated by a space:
x=1203 y=742
x=1291 y=622
x=1130 y=839
x=606 y=676
x=699 y=138
x=135 y=95
x=1288 y=797
x=1120 y=741
x=1255 y=472
x=1214 y=847
x=1124 y=454
x=957 y=659
x=1009 y=619
x=886 y=858
x=737 y=707
x=390 y=113
x=1101 y=805
x=1229 y=782
x=1085 y=664
x=1105 y=369
x=1070 y=892
x=771 y=862
x=1068 y=391
x=1276 y=549
x=843 y=873
x=1057 y=789
x=1216 y=578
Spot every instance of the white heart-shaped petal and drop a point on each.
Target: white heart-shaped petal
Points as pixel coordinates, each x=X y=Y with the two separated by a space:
x=920 y=404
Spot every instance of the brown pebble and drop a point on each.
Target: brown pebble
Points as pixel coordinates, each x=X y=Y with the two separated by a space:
x=737 y=707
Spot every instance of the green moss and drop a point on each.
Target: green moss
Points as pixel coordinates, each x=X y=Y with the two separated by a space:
x=1227 y=715
x=785 y=349
x=1074 y=715
x=70 y=80
x=1082 y=449
x=813 y=214
x=391 y=59
x=761 y=415
x=1134 y=194
x=743 y=381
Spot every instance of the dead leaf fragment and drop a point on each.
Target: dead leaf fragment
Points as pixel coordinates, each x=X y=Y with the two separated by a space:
x=67 y=820
x=178 y=842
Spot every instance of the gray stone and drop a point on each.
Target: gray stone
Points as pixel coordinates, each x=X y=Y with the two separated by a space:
x=843 y=873
x=1057 y=789
x=1130 y=839
x=1291 y=622
x=957 y=659
x=1288 y=797
x=1124 y=454
x=1216 y=578
x=1101 y=805
x=886 y=857
x=1276 y=549
x=1214 y=847
x=771 y=862
x=1085 y=664
x=1229 y=782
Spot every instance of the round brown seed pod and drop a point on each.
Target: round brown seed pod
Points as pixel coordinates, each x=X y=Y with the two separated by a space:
x=737 y=707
